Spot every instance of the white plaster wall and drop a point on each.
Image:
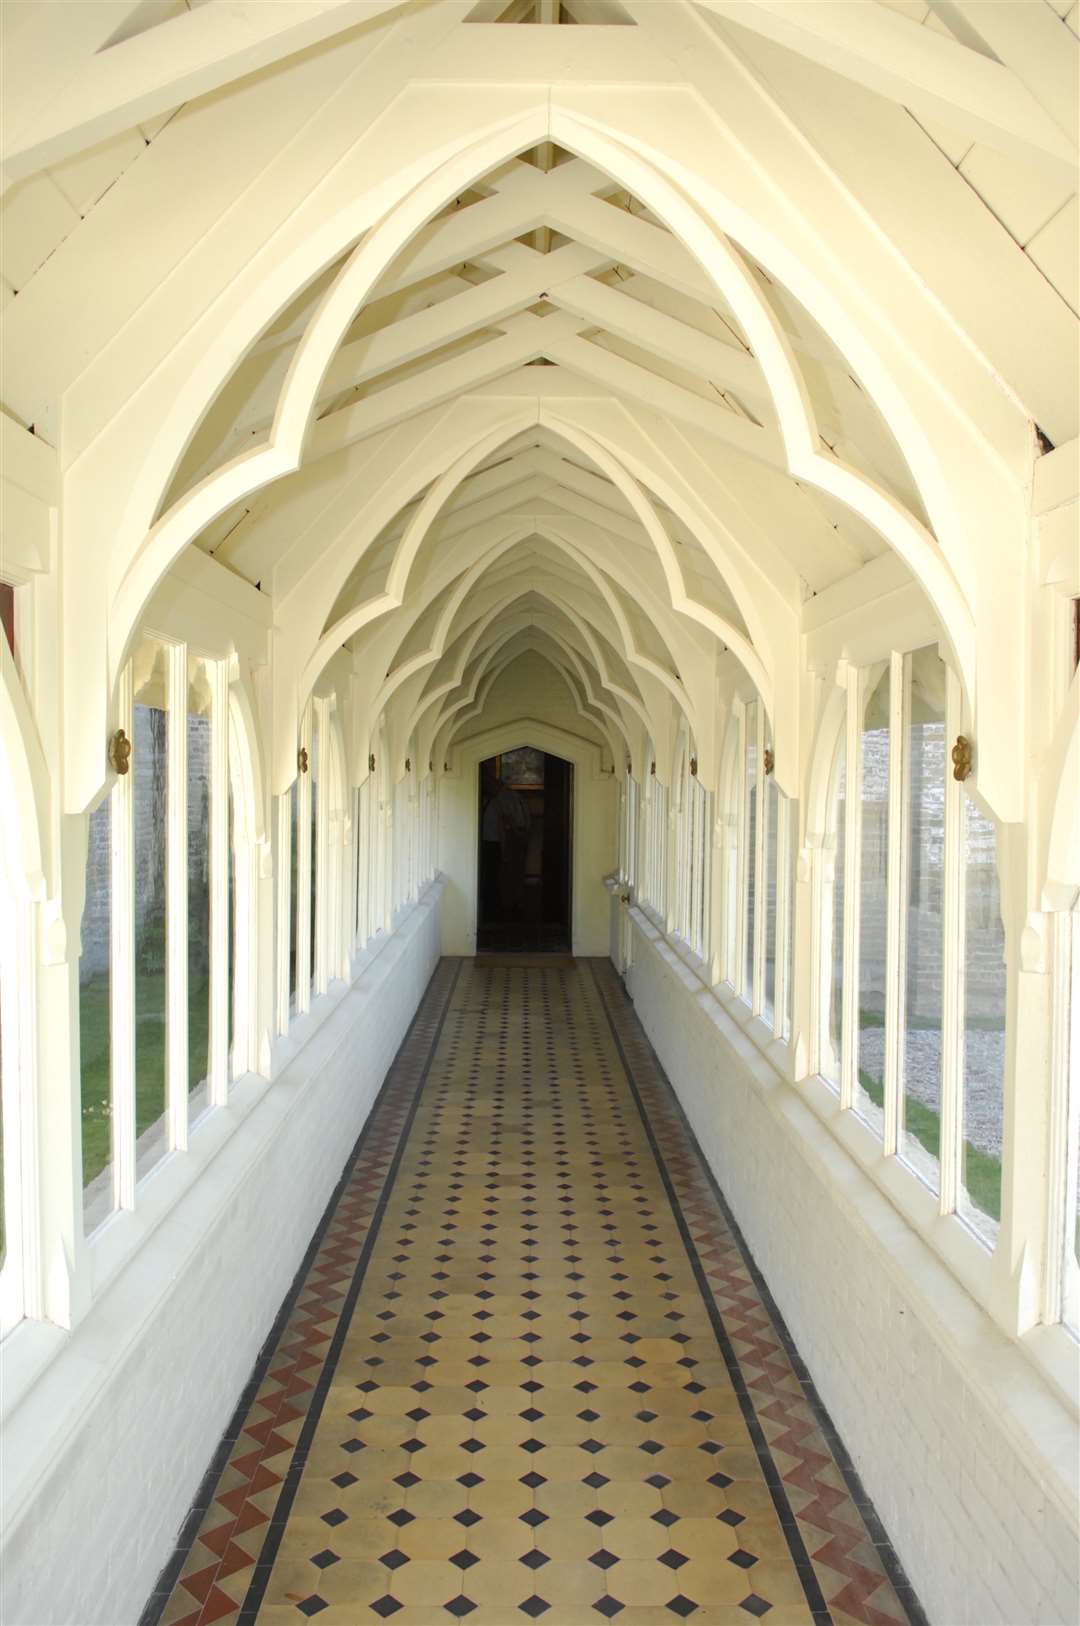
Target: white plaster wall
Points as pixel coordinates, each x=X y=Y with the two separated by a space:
x=594 y=853
x=124 y=1423
x=960 y=1443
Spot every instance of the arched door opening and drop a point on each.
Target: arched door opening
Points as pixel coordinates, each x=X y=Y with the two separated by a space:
x=524 y=864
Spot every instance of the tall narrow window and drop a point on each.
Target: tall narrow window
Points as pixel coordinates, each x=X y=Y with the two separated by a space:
x=873 y=902
x=984 y=1026
x=233 y=932
x=313 y=776
x=924 y=771
x=198 y=882
x=832 y=928
x=149 y=766
x=294 y=832
x=94 y=1048
x=789 y=936
x=750 y=853
x=1070 y=1304
x=771 y=815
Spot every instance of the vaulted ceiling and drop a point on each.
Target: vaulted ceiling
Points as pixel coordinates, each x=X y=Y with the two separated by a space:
x=545 y=423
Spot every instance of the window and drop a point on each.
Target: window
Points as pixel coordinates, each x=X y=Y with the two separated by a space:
x=924 y=970
x=198 y=752
x=770 y=811
x=750 y=851
x=291 y=926
x=984 y=1026
x=1067 y=1177
x=158 y=937
x=150 y=822
x=7 y=614
x=95 y=1021
x=314 y=959
x=832 y=926
x=873 y=898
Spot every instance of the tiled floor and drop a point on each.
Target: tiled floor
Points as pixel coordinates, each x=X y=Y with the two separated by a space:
x=528 y=1372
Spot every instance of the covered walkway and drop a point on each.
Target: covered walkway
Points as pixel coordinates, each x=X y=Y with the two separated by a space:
x=528 y=1370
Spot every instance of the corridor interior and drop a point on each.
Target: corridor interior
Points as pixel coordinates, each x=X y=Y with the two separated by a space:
x=528 y=1370
x=596 y=481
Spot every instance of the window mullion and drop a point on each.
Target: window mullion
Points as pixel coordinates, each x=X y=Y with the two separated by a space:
x=218 y=1079
x=283 y=912
x=122 y=971
x=855 y=683
x=320 y=970
x=953 y=929
x=895 y=889
x=176 y=897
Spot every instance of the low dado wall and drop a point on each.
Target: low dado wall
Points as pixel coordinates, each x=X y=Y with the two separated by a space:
x=948 y=1423
x=126 y=1419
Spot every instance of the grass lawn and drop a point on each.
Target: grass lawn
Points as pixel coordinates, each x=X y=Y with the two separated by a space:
x=149 y=1059
x=981 y=1174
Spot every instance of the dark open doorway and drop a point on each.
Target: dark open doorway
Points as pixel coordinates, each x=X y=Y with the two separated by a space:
x=524 y=867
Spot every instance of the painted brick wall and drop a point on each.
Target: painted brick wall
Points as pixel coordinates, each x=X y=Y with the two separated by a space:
x=148 y=1382
x=979 y=1518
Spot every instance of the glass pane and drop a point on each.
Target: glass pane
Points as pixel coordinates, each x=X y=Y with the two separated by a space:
x=94 y=1053
x=7 y=613
x=291 y=923
x=925 y=790
x=984 y=1026
x=772 y=815
x=313 y=777
x=1072 y=1220
x=232 y=932
x=3 y=1182
x=873 y=864
x=832 y=1046
x=198 y=876
x=789 y=957
x=149 y=766
x=751 y=850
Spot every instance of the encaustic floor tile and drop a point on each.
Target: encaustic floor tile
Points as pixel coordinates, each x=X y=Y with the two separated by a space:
x=529 y=1372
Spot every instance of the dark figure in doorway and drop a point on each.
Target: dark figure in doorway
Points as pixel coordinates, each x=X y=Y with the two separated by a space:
x=505 y=832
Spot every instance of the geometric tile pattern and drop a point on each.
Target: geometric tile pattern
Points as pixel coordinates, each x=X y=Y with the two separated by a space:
x=528 y=1373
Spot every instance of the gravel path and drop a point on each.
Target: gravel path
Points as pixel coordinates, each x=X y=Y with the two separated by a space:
x=985 y=1063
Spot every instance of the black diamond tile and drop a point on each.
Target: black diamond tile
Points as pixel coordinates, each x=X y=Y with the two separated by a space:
x=460 y=1606
x=530 y=1416
x=386 y=1606
x=674 y=1560
x=755 y=1606
x=596 y=1481
x=599 y=1518
x=534 y=1607
x=313 y=1605
x=394 y=1558
x=608 y=1607
x=533 y=1517
x=534 y=1560
x=729 y=1516
x=335 y=1516
x=532 y=1446
x=683 y=1607
x=470 y=1480
x=743 y=1559
x=592 y=1447
x=721 y=1481
x=406 y=1480
x=352 y=1445
x=602 y=1558
x=324 y=1559
x=665 y=1517
x=467 y=1517
x=401 y=1518
x=651 y=1446
x=412 y=1445
x=464 y=1560
x=532 y=1480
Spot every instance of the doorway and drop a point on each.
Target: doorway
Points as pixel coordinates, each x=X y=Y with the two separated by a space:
x=525 y=863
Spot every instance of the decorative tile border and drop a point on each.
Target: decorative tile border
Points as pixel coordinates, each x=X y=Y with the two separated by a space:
x=858 y=1573
x=222 y=1540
